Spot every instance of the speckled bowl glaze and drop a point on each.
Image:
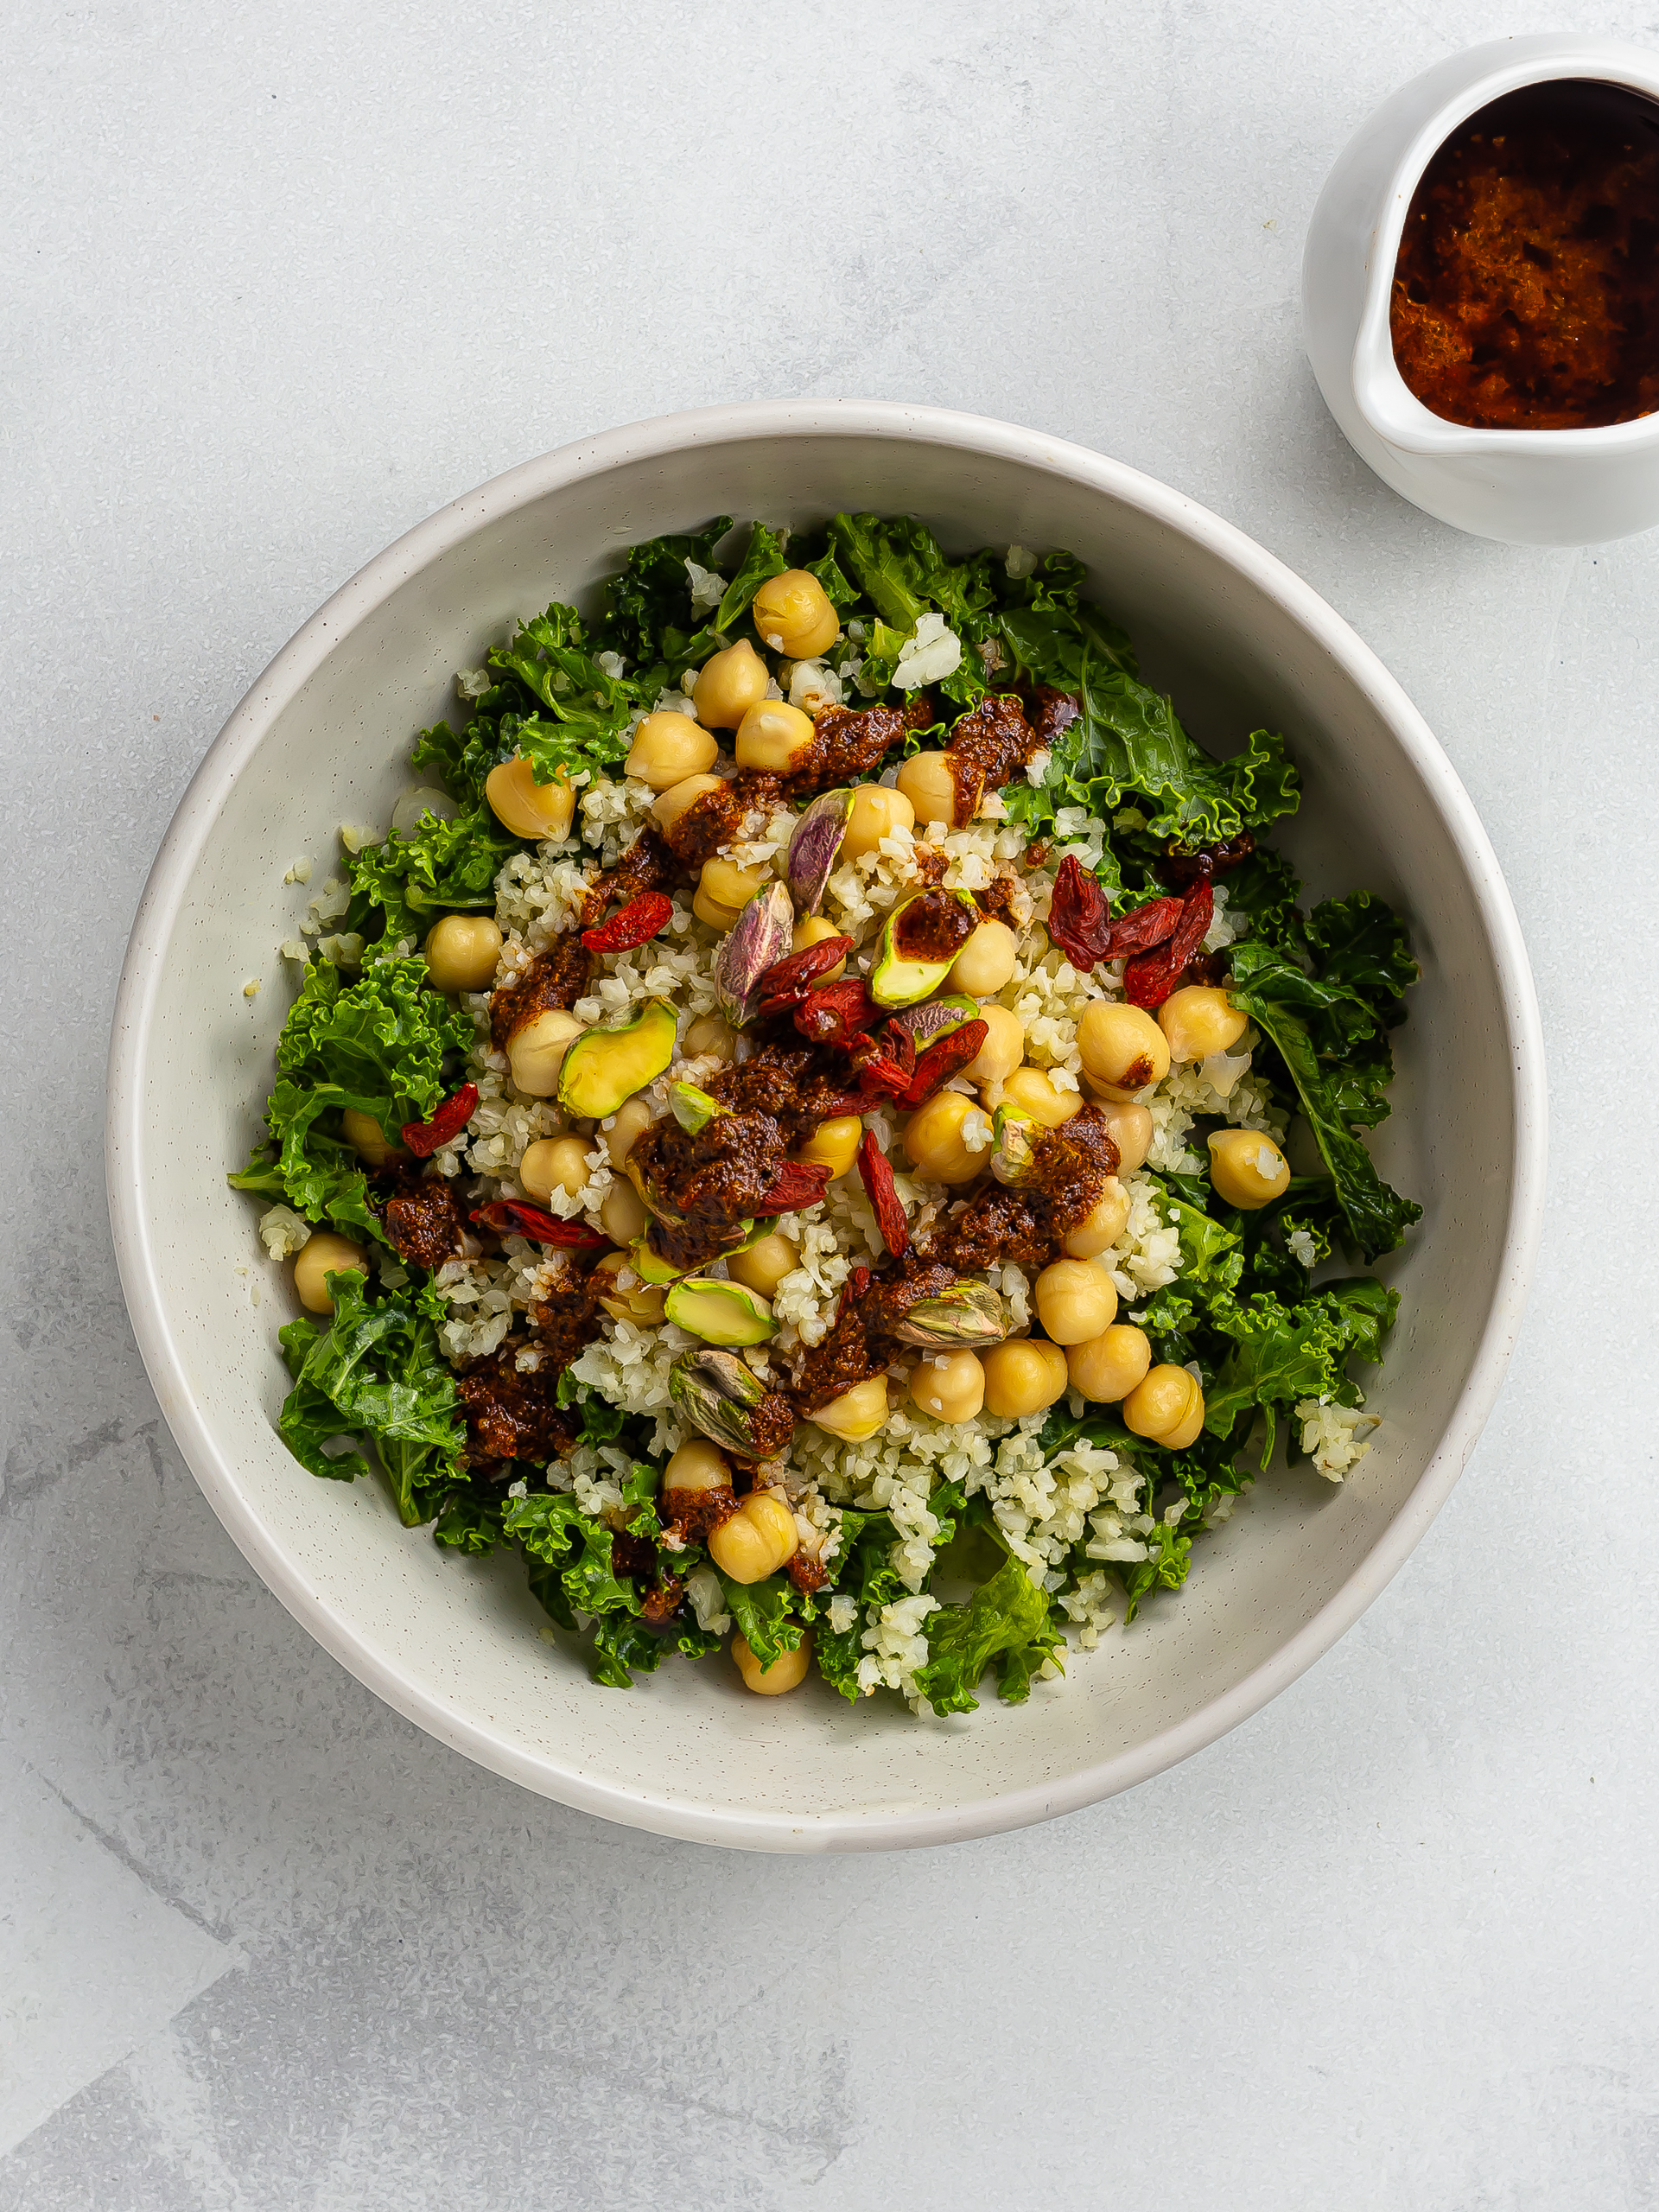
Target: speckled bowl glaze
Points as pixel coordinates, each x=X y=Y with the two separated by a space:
x=453 y=1643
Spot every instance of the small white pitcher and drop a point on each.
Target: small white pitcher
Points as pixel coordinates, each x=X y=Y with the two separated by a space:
x=1527 y=487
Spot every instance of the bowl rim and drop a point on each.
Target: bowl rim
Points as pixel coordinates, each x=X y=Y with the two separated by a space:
x=1384 y=398
x=167 y=886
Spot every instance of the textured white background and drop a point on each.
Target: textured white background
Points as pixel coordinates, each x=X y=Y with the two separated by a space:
x=279 y=282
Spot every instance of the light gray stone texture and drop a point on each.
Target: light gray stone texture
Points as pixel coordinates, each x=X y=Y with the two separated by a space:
x=281 y=281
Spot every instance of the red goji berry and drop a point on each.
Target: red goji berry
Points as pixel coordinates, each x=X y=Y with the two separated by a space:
x=634 y=925
x=1151 y=977
x=1079 y=916
x=945 y=1057
x=876 y=1175
x=796 y=1184
x=1145 y=927
x=505 y=1215
x=423 y=1138
x=785 y=983
x=830 y=1014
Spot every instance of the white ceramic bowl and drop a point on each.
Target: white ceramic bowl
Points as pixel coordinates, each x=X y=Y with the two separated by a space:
x=1527 y=487
x=323 y=738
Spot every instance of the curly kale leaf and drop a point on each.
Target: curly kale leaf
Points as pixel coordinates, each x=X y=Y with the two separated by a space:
x=1330 y=1039
x=586 y=718
x=648 y=612
x=1007 y=1622
x=444 y=867
x=312 y=1168
x=898 y=564
x=382 y=1039
x=375 y=1371
x=570 y=1556
x=764 y=556
x=376 y=1046
x=1281 y=1354
x=1127 y=743
x=770 y=1614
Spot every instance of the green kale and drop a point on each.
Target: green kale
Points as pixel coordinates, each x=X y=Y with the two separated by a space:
x=1316 y=1027
x=570 y=1556
x=770 y=1614
x=1126 y=743
x=764 y=558
x=591 y=710
x=1281 y=1354
x=1008 y=1620
x=444 y=867
x=375 y=1371
x=648 y=602
x=377 y=1046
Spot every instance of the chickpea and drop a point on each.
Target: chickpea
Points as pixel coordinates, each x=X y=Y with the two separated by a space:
x=1108 y=1367
x=555 y=1163
x=786 y=1672
x=1003 y=1050
x=535 y=1053
x=765 y=1263
x=633 y=1118
x=757 y=1540
x=668 y=806
x=928 y=781
x=1022 y=1376
x=724 y=889
x=669 y=748
x=709 y=1034
x=1075 y=1299
x=934 y=1141
x=773 y=736
x=949 y=1385
x=1166 y=1408
x=877 y=813
x=1247 y=1168
x=728 y=686
x=644 y=1304
x=697 y=1466
x=813 y=930
x=461 y=951
x=1029 y=1091
x=1131 y=1128
x=835 y=1143
x=1199 y=1020
x=527 y=808
x=367 y=1138
x=1100 y=1228
x=857 y=1414
x=795 y=615
x=985 y=962
x=623 y=1215
x=323 y=1254
x=1123 y=1049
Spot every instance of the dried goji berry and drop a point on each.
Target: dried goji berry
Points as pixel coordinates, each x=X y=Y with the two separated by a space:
x=634 y=925
x=505 y=1215
x=1151 y=977
x=423 y=1138
x=1143 y=928
x=944 y=1058
x=830 y=1014
x=785 y=983
x=796 y=1184
x=1079 y=917
x=876 y=1176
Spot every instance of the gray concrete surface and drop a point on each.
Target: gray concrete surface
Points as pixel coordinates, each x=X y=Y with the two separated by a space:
x=281 y=282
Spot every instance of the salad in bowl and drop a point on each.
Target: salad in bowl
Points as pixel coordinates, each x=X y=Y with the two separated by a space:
x=822 y=1125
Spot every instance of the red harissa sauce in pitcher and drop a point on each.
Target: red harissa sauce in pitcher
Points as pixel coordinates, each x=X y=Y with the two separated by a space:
x=1526 y=293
